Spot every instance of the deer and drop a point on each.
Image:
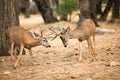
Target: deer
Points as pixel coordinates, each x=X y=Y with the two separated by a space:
x=21 y=38
x=84 y=31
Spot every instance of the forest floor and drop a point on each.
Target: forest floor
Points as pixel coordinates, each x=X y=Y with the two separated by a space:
x=59 y=63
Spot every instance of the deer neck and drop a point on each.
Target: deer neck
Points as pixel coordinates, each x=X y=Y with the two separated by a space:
x=72 y=34
x=34 y=42
x=76 y=33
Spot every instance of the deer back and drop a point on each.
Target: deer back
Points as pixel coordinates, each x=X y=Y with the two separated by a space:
x=85 y=29
x=19 y=36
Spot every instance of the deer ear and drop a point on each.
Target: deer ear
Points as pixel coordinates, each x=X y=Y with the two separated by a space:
x=36 y=34
x=68 y=29
x=63 y=30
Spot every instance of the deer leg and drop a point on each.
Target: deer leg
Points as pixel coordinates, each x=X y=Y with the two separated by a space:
x=33 y=61
x=80 y=50
x=91 y=46
x=88 y=42
x=14 y=52
x=94 y=44
x=20 y=54
x=10 y=51
x=16 y=57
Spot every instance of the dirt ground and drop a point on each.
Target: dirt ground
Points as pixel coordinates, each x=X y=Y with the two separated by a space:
x=59 y=63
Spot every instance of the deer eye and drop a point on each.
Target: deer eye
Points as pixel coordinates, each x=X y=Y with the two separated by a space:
x=44 y=39
x=62 y=38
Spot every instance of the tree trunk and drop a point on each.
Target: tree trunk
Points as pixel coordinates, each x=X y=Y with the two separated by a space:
x=53 y=4
x=87 y=10
x=93 y=4
x=63 y=17
x=46 y=11
x=115 y=10
x=8 y=18
x=24 y=7
x=98 y=9
x=84 y=9
x=106 y=11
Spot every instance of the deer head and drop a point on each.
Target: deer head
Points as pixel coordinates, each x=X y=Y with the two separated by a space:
x=42 y=40
x=64 y=35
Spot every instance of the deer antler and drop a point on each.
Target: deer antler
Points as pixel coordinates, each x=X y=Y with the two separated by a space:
x=52 y=30
x=57 y=34
x=42 y=33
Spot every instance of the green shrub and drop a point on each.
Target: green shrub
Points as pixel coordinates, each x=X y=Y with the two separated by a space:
x=67 y=6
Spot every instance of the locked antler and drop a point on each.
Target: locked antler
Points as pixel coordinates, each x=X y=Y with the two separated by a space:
x=57 y=34
x=42 y=33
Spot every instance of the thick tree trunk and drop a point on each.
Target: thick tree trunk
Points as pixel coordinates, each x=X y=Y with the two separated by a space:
x=93 y=4
x=87 y=10
x=115 y=10
x=98 y=9
x=8 y=18
x=53 y=4
x=24 y=7
x=106 y=11
x=84 y=9
x=63 y=17
x=46 y=11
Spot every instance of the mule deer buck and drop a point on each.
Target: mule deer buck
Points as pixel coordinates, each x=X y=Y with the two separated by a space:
x=82 y=32
x=21 y=38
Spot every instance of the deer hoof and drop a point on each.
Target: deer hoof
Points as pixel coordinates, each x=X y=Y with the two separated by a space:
x=80 y=59
x=34 y=63
x=92 y=60
x=14 y=67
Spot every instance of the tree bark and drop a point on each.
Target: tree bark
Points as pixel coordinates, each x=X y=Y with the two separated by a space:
x=87 y=10
x=106 y=11
x=24 y=7
x=98 y=9
x=8 y=18
x=115 y=10
x=46 y=11
x=84 y=9
x=53 y=4
x=93 y=4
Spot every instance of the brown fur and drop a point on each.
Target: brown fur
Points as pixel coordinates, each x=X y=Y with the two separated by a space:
x=84 y=31
x=19 y=37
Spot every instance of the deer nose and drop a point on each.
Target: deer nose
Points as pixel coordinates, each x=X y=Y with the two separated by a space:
x=49 y=46
x=65 y=46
